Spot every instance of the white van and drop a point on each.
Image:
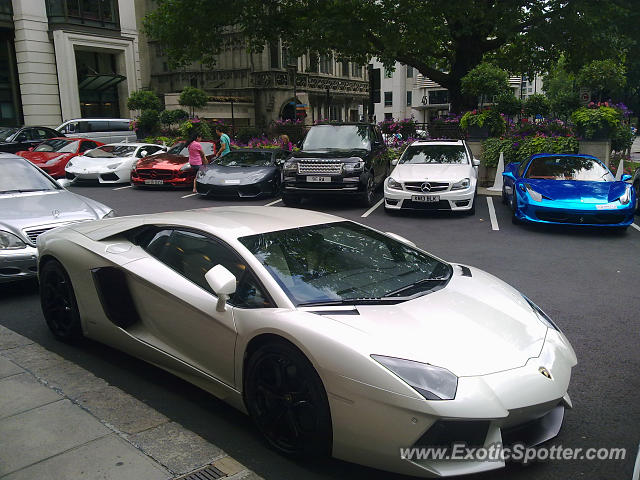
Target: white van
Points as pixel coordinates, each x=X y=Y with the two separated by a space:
x=105 y=130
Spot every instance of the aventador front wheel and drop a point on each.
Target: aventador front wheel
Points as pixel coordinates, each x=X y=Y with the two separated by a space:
x=58 y=302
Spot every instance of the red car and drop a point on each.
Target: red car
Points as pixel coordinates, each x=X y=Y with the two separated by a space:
x=170 y=168
x=53 y=155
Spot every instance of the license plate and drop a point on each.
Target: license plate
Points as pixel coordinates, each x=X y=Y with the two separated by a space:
x=425 y=198
x=318 y=179
x=154 y=182
x=605 y=207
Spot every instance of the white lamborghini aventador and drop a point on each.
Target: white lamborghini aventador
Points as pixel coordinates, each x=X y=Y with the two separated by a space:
x=335 y=338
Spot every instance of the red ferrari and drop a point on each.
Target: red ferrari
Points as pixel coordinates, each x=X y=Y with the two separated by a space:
x=53 y=155
x=168 y=169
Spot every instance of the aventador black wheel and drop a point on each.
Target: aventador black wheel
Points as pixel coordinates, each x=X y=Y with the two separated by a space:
x=287 y=401
x=58 y=302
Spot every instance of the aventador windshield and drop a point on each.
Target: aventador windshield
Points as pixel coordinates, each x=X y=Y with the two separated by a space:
x=345 y=263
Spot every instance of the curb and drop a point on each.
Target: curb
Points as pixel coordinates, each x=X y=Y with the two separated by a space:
x=178 y=451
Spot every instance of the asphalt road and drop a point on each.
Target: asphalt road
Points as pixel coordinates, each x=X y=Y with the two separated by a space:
x=588 y=281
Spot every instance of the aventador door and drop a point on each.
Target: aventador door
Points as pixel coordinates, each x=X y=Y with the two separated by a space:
x=177 y=309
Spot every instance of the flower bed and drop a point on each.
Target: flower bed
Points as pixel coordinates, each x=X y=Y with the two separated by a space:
x=517 y=149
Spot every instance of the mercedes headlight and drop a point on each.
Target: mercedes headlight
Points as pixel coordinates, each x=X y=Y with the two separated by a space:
x=393 y=184
x=543 y=317
x=9 y=241
x=185 y=167
x=290 y=166
x=461 y=185
x=433 y=383
x=353 y=167
x=626 y=198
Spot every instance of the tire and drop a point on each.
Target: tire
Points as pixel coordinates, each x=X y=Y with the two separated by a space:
x=636 y=187
x=368 y=197
x=290 y=201
x=515 y=220
x=287 y=401
x=58 y=302
x=505 y=199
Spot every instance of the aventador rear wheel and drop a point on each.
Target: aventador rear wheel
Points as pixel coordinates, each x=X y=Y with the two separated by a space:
x=58 y=302
x=287 y=401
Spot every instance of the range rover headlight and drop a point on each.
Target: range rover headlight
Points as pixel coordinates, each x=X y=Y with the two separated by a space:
x=290 y=166
x=353 y=167
x=393 y=184
x=9 y=241
x=461 y=185
x=433 y=383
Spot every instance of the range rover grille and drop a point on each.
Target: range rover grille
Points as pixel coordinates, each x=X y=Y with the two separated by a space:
x=309 y=168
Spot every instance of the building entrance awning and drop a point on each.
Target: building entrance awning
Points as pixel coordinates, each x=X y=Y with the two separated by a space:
x=100 y=82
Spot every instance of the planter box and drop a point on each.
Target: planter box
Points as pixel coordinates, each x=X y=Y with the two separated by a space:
x=476 y=132
x=598 y=148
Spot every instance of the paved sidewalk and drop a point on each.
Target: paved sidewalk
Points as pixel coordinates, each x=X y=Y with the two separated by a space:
x=60 y=422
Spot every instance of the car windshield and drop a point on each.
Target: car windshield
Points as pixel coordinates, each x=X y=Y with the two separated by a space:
x=345 y=262
x=245 y=159
x=58 y=145
x=419 y=154
x=180 y=149
x=5 y=133
x=19 y=175
x=568 y=168
x=111 y=151
x=337 y=137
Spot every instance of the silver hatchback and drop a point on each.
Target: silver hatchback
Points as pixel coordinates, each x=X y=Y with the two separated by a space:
x=31 y=203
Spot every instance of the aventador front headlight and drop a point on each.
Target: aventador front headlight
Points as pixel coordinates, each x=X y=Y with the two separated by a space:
x=433 y=383
x=9 y=241
x=461 y=185
x=543 y=317
x=626 y=198
x=393 y=184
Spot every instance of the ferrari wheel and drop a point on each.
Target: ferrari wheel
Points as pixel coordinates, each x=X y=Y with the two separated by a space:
x=287 y=401
x=636 y=187
x=58 y=302
x=505 y=199
x=514 y=206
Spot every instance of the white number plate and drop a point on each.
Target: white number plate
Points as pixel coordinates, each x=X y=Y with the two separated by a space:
x=318 y=179
x=605 y=207
x=425 y=198
x=154 y=182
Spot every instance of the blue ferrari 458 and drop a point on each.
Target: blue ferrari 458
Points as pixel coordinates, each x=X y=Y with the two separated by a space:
x=568 y=189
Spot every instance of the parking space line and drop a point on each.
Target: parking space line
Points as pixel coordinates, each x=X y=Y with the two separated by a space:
x=370 y=211
x=273 y=203
x=122 y=188
x=190 y=195
x=635 y=226
x=492 y=214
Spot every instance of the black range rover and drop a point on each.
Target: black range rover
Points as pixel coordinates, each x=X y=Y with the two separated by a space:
x=337 y=159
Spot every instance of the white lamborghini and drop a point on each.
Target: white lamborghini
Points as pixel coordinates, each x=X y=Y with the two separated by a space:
x=335 y=338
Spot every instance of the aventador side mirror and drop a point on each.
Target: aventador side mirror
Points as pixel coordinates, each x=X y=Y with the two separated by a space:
x=223 y=284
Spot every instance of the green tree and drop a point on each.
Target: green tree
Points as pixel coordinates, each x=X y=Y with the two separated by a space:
x=443 y=40
x=559 y=85
x=144 y=100
x=536 y=104
x=148 y=121
x=508 y=104
x=172 y=117
x=193 y=98
x=603 y=77
x=485 y=81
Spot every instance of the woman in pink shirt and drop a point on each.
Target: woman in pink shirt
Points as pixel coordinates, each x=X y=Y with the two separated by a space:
x=197 y=157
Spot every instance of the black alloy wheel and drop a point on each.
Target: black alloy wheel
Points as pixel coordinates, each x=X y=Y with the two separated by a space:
x=636 y=187
x=513 y=202
x=368 y=196
x=58 y=302
x=277 y=185
x=287 y=401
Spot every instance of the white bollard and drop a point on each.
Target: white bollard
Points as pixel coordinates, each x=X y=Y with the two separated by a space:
x=620 y=170
x=497 y=183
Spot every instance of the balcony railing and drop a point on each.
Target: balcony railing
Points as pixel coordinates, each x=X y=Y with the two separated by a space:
x=310 y=82
x=92 y=13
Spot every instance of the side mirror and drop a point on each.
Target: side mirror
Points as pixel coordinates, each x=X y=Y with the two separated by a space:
x=64 y=182
x=223 y=284
x=394 y=162
x=476 y=162
x=395 y=236
x=626 y=177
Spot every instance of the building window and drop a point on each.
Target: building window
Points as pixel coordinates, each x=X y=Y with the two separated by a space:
x=409 y=97
x=438 y=97
x=334 y=113
x=388 y=116
x=274 y=54
x=96 y=13
x=356 y=70
x=409 y=72
x=388 y=99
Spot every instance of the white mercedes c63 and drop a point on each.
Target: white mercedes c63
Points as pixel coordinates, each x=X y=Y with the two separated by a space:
x=433 y=175
x=335 y=338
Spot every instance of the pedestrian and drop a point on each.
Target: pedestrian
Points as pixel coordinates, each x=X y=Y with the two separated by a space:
x=225 y=142
x=197 y=158
x=285 y=143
